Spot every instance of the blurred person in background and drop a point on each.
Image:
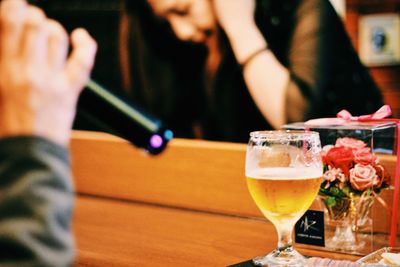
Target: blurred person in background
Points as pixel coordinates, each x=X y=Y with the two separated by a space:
x=219 y=69
x=39 y=88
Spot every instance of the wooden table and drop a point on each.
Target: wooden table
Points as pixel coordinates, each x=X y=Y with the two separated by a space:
x=187 y=207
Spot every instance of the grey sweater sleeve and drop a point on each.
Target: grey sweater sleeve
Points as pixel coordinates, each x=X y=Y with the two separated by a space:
x=36 y=202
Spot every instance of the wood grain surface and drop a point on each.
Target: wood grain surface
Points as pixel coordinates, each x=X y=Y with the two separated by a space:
x=116 y=233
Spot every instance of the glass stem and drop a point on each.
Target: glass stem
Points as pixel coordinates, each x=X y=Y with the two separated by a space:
x=284 y=238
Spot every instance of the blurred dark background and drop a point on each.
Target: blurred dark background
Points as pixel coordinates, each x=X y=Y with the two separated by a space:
x=101 y=19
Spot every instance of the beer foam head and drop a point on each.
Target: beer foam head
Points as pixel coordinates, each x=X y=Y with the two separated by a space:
x=285 y=173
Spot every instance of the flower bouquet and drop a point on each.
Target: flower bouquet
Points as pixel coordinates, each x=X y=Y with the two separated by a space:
x=352 y=180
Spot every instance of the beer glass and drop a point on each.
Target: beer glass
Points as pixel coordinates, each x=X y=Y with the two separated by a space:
x=283 y=173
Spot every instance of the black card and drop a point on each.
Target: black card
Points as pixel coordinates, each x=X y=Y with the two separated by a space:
x=310 y=229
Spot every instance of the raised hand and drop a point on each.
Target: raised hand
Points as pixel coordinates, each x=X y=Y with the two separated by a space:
x=39 y=85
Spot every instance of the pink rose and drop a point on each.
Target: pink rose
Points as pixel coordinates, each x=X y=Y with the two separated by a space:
x=365 y=156
x=363 y=177
x=350 y=143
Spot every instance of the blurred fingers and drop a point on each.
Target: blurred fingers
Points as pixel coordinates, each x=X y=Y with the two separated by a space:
x=35 y=37
x=12 y=18
x=57 y=45
x=81 y=60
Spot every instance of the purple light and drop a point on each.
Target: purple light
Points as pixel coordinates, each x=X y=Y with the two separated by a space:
x=156 y=141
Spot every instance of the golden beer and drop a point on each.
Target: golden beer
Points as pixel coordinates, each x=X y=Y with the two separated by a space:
x=284 y=194
x=283 y=170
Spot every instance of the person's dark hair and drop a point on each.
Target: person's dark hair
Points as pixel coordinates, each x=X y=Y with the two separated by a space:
x=157 y=68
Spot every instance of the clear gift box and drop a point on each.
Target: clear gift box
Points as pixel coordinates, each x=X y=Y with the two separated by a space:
x=355 y=191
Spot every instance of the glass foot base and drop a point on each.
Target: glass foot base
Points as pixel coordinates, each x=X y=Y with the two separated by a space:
x=284 y=258
x=344 y=245
x=345 y=240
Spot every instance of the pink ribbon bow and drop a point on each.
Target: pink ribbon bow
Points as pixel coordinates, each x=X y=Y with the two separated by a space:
x=344 y=116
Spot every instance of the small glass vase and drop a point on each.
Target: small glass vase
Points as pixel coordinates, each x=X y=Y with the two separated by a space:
x=350 y=220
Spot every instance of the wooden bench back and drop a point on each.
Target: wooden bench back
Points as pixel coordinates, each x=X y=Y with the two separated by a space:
x=190 y=174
